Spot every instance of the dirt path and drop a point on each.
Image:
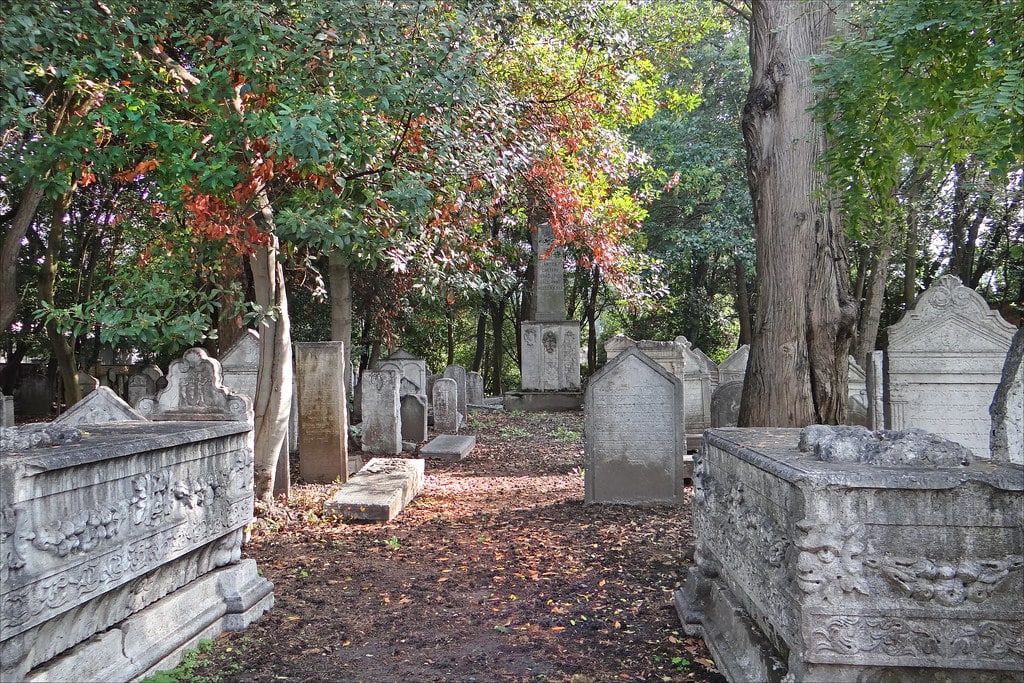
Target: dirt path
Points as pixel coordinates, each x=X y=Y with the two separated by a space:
x=496 y=572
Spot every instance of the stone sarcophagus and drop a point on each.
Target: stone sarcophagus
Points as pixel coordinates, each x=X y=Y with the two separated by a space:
x=120 y=545
x=839 y=560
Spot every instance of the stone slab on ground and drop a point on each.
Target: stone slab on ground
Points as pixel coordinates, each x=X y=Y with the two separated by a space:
x=448 y=447
x=379 y=491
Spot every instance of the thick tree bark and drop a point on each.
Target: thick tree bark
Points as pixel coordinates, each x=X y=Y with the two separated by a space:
x=273 y=402
x=797 y=373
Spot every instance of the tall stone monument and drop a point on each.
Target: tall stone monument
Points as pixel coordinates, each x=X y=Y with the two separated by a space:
x=550 y=343
x=323 y=411
x=943 y=364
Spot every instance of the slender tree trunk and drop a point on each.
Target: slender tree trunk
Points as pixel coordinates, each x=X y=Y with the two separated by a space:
x=498 y=352
x=481 y=336
x=871 y=314
x=60 y=347
x=449 y=321
x=591 y=313
x=797 y=373
x=273 y=401
x=742 y=301
x=339 y=275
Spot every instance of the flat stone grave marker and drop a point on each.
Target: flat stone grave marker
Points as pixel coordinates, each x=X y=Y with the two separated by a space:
x=378 y=491
x=449 y=447
x=635 y=433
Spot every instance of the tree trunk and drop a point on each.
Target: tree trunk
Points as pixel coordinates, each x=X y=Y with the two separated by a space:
x=273 y=402
x=10 y=244
x=742 y=301
x=591 y=312
x=481 y=336
x=498 y=353
x=60 y=347
x=999 y=440
x=339 y=276
x=871 y=314
x=797 y=373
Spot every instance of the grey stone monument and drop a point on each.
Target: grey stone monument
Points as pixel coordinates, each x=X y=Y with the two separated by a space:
x=550 y=364
x=857 y=395
x=874 y=380
x=840 y=554
x=140 y=386
x=446 y=406
x=412 y=369
x=382 y=427
x=195 y=391
x=414 y=418
x=458 y=373
x=6 y=411
x=943 y=364
x=635 y=433
x=323 y=411
x=100 y=406
x=734 y=367
x=700 y=380
x=725 y=404
x=474 y=388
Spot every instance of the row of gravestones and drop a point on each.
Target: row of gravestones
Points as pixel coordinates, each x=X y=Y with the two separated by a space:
x=945 y=360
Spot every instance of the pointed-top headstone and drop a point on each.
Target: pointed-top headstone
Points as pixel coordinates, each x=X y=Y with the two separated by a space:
x=102 y=405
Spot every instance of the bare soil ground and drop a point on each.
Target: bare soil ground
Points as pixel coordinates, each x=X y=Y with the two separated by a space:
x=497 y=571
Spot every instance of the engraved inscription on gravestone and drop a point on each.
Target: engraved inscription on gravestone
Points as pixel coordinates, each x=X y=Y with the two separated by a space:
x=549 y=280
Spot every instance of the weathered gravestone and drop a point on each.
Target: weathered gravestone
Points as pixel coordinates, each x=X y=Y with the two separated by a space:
x=446 y=406
x=379 y=490
x=382 y=428
x=550 y=365
x=874 y=381
x=100 y=406
x=323 y=411
x=474 y=388
x=857 y=396
x=411 y=369
x=449 y=447
x=414 y=418
x=122 y=548
x=725 y=404
x=943 y=363
x=240 y=366
x=734 y=367
x=34 y=396
x=635 y=433
x=700 y=377
x=6 y=411
x=195 y=391
x=140 y=386
x=458 y=373
x=839 y=554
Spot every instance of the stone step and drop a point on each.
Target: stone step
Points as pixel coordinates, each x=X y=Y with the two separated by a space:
x=448 y=447
x=378 y=491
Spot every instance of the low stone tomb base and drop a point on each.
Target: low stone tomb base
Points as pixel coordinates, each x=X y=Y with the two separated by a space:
x=379 y=491
x=448 y=447
x=871 y=556
x=115 y=533
x=543 y=401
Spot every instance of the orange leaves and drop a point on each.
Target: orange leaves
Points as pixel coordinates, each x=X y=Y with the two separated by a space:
x=140 y=169
x=214 y=219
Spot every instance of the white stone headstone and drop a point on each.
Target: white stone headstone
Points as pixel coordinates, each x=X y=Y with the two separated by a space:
x=100 y=406
x=458 y=373
x=734 y=367
x=411 y=369
x=551 y=356
x=195 y=391
x=323 y=411
x=549 y=277
x=943 y=363
x=635 y=433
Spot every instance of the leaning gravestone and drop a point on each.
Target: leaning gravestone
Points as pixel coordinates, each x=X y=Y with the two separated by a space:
x=446 y=406
x=943 y=364
x=323 y=411
x=635 y=433
x=458 y=373
x=382 y=428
